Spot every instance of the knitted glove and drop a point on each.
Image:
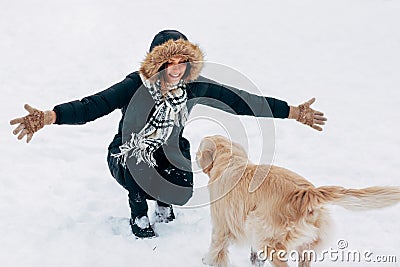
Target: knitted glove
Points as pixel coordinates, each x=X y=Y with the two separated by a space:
x=306 y=115
x=33 y=122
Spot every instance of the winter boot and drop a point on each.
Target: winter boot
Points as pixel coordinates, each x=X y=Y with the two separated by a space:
x=141 y=227
x=164 y=213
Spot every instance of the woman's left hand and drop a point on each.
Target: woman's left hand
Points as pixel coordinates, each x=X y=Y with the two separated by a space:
x=308 y=116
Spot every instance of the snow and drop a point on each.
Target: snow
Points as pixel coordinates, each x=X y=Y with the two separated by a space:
x=60 y=206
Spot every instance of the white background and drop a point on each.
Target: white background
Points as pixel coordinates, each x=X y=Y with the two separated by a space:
x=59 y=205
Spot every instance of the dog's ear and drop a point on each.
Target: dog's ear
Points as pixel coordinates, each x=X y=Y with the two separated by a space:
x=259 y=176
x=205 y=154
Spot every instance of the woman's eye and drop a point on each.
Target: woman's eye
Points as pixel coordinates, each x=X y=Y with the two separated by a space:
x=169 y=64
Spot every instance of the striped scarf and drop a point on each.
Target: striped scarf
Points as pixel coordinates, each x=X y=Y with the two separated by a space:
x=170 y=110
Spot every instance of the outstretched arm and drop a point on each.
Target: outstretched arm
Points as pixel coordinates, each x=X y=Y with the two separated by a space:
x=78 y=111
x=237 y=101
x=97 y=105
x=240 y=102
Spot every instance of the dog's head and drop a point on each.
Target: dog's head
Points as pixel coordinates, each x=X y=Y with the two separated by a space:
x=205 y=153
x=230 y=158
x=213 y=147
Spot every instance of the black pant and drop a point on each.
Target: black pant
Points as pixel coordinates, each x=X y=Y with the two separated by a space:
x=137 y=196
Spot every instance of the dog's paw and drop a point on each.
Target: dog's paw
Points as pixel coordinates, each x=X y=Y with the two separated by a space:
x=208 y=260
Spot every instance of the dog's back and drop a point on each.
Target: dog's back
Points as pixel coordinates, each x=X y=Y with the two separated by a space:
x=286 y=200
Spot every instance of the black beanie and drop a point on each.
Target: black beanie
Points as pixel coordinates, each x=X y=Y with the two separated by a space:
x=166 y=35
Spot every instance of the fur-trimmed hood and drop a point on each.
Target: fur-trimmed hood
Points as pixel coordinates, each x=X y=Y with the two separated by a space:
x=162 y=53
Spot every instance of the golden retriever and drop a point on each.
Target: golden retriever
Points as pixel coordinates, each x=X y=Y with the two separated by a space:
x=269 y=206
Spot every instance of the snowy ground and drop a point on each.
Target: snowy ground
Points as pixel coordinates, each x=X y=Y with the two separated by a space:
x=60 y=206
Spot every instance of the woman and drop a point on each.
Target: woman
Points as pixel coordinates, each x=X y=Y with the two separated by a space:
x=164 y=91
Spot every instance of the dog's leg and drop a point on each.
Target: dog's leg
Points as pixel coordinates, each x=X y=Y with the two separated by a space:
x=278 y=262
x=307 y=253
x=305 y=258
x=218 y=253
x=277 y=255
x=304 y=263
x=266 y=248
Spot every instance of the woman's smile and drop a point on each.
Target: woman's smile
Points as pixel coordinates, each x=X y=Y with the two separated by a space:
x=175 y=70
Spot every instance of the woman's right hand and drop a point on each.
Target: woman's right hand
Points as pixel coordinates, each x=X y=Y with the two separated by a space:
x=33 y=122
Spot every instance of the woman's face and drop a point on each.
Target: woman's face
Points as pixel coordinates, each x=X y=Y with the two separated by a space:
x=175 y=70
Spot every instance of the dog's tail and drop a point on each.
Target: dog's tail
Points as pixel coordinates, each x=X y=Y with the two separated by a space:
x=359 y=199
x=354 y=199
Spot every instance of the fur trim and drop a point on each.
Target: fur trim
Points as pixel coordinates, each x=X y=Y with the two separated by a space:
x=162 y=53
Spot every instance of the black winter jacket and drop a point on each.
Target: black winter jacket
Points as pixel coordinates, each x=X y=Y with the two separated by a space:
x=201 y=91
